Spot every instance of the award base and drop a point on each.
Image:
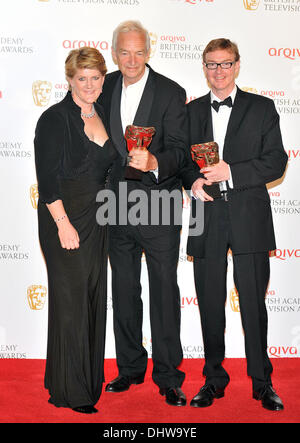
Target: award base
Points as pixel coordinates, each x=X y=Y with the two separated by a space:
x=133 y=173
x=213 y=190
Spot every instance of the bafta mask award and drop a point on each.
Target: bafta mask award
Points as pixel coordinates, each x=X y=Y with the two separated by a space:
x=207 y=154
x=137 y=137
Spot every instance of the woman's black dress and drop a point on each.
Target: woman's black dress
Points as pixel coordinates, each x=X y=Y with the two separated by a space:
x=72 y=168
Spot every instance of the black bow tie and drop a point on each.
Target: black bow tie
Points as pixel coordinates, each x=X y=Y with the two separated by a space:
x=227 y=102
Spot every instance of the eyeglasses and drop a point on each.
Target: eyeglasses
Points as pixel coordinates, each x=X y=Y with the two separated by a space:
x=224 y=65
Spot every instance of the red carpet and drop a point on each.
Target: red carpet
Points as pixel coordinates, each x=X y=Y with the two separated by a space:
x=23 y=398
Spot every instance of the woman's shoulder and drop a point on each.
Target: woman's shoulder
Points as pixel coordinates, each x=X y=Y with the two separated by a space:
x=53 y=115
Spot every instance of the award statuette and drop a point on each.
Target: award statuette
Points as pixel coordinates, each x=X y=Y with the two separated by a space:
x=207 y=154
x=137 y=137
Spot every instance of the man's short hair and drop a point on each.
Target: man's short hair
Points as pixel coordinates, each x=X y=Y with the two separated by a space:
x=127 y=26
x=223 y=44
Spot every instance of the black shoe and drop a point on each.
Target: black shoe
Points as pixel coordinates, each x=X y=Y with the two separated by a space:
x=85 y=409
x=174 y=396
x=122 y=383
x=269 y=398
x=206 y=396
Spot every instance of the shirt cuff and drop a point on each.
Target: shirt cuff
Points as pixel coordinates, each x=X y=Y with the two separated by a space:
x=155 y=172
x=230 y=181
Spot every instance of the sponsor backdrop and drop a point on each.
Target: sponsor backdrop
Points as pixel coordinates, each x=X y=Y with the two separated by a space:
x=35 y=38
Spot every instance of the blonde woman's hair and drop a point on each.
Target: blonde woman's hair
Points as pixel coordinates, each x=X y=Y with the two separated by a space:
x=84 y=58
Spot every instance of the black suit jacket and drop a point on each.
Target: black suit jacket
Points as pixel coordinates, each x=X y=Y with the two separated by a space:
x=163 y=106
x=253 y=148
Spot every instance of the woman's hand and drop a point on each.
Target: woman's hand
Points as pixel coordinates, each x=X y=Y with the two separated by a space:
x=198 y=191
x=68 y=236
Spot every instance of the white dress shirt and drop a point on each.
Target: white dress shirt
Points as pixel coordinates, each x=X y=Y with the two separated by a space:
x=130 y=100
x=220 y=122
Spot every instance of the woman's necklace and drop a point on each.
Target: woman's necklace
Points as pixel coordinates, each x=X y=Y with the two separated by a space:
x=91 y=114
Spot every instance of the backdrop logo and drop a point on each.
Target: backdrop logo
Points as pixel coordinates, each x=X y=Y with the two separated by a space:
x=249 y=89
x=153 y=42
x=291 y=53
x=192 y=351
x=293 y=154
x=14 y=45
x=251 y=5
x=189 y=301
x=36 y=296
x=13 y=149
x=34 y=195
x=10 y=251
x=98 y=44
x=282 y=351
x=41 y=92
x=194 y=2
x=234 y=300
x=10 y=351
x=269 y=92
x=284 y=254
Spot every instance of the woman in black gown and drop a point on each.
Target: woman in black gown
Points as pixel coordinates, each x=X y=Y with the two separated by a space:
x=73 y=155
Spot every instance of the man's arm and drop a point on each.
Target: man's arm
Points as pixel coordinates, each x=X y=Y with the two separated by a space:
x=272 y=161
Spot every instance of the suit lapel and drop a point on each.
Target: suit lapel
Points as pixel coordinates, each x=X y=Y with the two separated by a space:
x=237 y=115
x=115 y=118
x=206 y=119
x=143 y=112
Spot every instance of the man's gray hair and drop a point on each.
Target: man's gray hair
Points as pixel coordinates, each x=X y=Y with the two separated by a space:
x=127 y=26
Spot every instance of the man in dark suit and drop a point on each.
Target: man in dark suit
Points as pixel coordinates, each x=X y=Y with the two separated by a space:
x=246 y=128
x=137 y=95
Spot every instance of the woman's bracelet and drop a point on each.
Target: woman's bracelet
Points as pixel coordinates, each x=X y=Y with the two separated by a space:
x=60 y=218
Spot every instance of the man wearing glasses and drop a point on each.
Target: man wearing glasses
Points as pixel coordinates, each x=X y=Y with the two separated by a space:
x=237 y=217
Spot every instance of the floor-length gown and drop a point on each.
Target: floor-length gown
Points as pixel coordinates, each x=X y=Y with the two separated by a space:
x=77 y=284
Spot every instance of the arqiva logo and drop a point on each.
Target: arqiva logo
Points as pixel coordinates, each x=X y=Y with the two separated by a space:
x=291 y=53
x=72 y=44
x=282 y=351
x=284 y=254
x=293 y=154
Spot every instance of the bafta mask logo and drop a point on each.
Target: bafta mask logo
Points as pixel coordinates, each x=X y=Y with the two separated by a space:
x=234 y=300
x=34 y=196
x=251 y=5
x=41 y=92
x=36 y=296
x=252 y=90
x=153 y=42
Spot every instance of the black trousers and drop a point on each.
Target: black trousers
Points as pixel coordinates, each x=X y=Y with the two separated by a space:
x=251 y=277
x=126 y=245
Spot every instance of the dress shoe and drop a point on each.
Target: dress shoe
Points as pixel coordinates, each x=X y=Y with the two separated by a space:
x=206 y=396
x=269 y=399
x=89 y=409
x=174 y=396
x=122 y=383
